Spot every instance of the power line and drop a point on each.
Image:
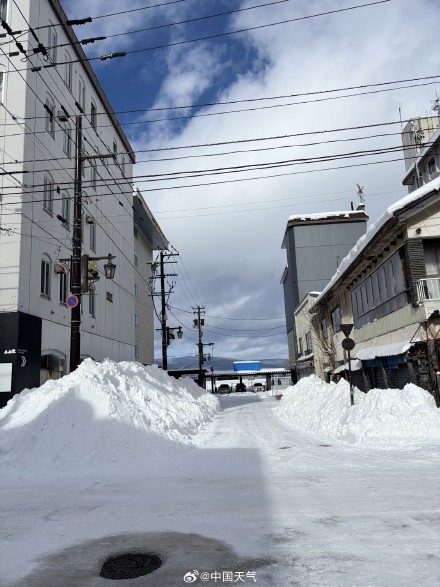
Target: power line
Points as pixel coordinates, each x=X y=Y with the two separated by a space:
x=218 y=35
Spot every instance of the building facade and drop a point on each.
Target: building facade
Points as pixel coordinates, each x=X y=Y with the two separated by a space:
x=55 y=114
x=315 y=244
x=388 y=288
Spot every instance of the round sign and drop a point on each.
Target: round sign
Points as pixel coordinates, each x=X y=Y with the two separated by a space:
x=72 y=301
x=348 y=344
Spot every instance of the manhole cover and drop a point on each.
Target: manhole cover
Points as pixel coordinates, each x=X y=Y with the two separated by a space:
x=130 y=566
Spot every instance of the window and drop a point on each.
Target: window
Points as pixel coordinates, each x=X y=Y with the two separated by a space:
x=2 y=75
x=3 y=9
x=300 y=341
x=93 y=236
x=324 y=327
x=81 y=94
x=93 y=116
x=432 y=167
x=63 y=288
x=68 y=70
x=136 y=290
x=94 y=174
x=92 y=303
x=136 y=261
x=50 y=115
x=65 y=210
x=309 y=340
x=48 y=194
x=135 y=231
x=136 y=320
x=45 y=276
x=52 y=41
x=336 y=319
x=67 y=142
x=136 y=352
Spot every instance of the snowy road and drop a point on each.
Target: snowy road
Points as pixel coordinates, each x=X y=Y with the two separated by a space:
x=253 y=497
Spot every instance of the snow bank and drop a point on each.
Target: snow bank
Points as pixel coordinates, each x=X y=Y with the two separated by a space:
x=382 y=418
x=103 y=414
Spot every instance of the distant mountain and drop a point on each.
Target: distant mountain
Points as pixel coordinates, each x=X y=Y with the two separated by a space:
x=220 y=363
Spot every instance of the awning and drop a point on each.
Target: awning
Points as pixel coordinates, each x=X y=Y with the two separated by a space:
x=387 y=350
x=356 y=365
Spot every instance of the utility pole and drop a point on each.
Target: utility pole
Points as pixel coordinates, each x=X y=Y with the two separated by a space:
x=77 y=273
x=163 y=303
x=198 y=323
x=75 y=320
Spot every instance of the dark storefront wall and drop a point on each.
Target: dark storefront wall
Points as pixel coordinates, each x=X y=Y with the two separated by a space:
x=20 y=353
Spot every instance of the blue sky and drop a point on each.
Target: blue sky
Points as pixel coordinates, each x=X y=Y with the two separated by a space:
x=229 y=234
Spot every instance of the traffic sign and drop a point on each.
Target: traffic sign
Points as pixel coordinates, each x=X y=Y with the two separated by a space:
x=348 y=344
x=72 y=301
x=346 y=329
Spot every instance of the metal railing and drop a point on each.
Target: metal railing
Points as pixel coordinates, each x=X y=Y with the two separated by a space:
x=428 y=289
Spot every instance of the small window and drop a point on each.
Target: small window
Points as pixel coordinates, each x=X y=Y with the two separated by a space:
x=309 y=340
x=136 y=352
x=81 y=94
x=300 y=346
x=94 y=174
x=432 y=167
x=65 y=210
x=136 y=321
x=136 y=261
x=3 y=9
x=136 y=290
x=336 y=319
x=135 y=231
x=324 y=327
x=92 y=303
x=67 y=142
x=93 y=116
x=50 y=115
x=52 y=41
x=48 y=194
x=45 y=276
x=63 y=288
x=93 y=236
x=68 y=71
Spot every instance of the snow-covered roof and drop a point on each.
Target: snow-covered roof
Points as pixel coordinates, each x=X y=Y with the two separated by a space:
x=325 y=215
x=373 y=230
x=305 y=358
x=386 y=350
x=356 y=365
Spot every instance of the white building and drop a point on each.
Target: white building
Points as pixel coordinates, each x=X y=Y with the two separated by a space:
x=39 y=112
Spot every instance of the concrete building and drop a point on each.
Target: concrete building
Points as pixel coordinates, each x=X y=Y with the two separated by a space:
x=315 y=244
x=41 y=105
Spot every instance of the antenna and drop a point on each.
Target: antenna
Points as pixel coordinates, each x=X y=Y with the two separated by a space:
x=436 y=106
x=360 y=193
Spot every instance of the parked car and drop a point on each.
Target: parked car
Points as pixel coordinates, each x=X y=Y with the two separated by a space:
x=259 y=387
x=240 y=387
x=224 y=388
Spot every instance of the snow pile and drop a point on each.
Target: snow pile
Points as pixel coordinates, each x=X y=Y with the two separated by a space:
x=101 y=415
x=382 y=418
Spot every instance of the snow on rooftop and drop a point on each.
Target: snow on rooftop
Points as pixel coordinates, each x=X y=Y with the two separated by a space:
x=102 y=415
x=381 y=418
x=356 y=365
x=375 y=228
x=324 y=215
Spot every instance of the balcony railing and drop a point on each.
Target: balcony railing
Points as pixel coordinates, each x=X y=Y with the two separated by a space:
x=428 y=289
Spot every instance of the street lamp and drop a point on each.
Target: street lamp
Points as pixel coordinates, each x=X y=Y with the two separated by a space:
x=109 y=267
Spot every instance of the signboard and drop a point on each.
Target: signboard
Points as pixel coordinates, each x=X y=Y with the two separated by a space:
x=348 y=344
x=72 y=301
